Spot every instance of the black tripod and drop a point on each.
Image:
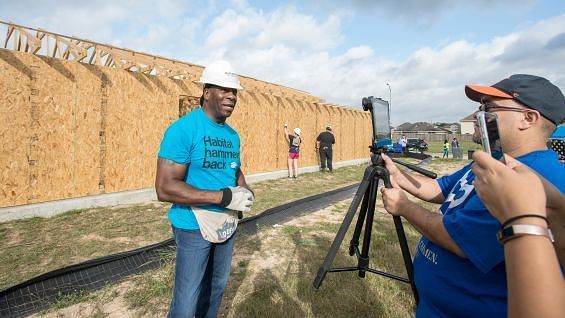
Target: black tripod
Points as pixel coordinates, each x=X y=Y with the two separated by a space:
x=366 y=195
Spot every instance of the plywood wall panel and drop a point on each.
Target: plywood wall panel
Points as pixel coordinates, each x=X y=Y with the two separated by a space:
x=347 y=135
x=366 y=133
x=86 y=123
x=239 y=120
x=123 y=169
x=55 y=152
x=335 y=120
x=280 y=140
x=15 y=112
x=159 y=110
x=308 y=123
x=252 y=119
x=74 y=130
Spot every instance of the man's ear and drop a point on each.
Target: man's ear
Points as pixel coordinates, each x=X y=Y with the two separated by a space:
x=529 y=118
x=532 y=117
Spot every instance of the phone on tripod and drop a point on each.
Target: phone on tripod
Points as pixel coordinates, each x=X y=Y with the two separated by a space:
x=490 y=134
x=380 y=112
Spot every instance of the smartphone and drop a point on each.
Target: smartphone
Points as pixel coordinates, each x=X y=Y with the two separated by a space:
x=380 y=111
x=490 y=134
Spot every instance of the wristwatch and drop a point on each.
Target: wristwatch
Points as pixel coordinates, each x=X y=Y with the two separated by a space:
x=517 y=230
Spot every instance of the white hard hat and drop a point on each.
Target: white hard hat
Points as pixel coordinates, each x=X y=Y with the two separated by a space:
x=220 y=73
x=297 y=131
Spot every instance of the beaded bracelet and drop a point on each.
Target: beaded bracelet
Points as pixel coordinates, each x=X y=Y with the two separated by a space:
x=512 y=219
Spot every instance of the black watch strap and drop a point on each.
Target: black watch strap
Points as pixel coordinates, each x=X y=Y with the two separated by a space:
x=226 y=197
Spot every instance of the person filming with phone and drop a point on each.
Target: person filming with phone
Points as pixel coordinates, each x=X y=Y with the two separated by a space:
x=459 y=266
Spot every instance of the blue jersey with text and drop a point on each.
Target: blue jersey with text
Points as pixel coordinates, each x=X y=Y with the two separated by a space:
x=211 y=152
x=451 y=286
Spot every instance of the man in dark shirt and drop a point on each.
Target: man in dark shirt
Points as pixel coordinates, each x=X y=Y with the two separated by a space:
x=324 y=144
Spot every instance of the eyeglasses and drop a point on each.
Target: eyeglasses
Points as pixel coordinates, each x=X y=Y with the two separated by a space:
x=490 y=107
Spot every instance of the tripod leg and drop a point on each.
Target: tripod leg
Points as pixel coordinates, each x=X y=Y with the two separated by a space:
x=358 y=227
x=402 y=239
x=369 y=174
x=406 y=255
x=363 y=260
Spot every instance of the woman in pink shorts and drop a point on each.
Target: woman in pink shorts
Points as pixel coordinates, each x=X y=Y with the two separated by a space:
x=293 y=150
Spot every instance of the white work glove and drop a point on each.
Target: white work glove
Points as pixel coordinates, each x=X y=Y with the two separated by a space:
x=237 y=198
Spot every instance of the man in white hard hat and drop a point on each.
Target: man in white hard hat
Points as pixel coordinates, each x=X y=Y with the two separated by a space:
x=293 y=150
x=198 y=170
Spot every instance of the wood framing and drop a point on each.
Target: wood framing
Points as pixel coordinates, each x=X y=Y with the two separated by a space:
x=41 y=42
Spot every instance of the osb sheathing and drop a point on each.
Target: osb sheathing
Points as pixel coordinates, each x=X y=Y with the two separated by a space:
x=70 y=130
x=15 y=92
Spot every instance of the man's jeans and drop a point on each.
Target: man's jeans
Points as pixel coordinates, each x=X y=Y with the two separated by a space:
x=325 y=154
x=201 y=274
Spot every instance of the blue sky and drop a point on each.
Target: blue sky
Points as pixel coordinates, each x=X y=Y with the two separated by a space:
x=337 y=50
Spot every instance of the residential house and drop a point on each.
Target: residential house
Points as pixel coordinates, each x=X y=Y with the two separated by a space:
x=468 y=125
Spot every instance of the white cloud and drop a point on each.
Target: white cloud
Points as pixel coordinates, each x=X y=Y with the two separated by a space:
x=164 y=28
x=420 y=13
x=427 y=86
x=292 y=48
x=358 y=53
x=255 y=29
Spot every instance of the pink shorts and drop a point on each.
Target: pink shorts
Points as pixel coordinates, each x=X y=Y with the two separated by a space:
x=293 y=155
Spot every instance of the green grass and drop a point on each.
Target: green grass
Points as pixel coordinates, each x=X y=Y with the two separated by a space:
x=437 y=146
x=34 y=246
x=67 y=300
x=37 y=245
x=276 y=192
x=149 y=289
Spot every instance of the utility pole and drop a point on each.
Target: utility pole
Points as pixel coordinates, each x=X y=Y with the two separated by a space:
x=389 y=95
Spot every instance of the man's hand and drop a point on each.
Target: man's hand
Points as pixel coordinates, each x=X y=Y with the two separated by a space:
x=395 y=200
x=237 y=198
x=393 y=170
x=508 y=190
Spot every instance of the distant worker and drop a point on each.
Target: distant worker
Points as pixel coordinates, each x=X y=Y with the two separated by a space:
x=403 y=143
x=294 y=141
x=324 y=144
x=445 y=149
x=455 y=147
x=198 y=170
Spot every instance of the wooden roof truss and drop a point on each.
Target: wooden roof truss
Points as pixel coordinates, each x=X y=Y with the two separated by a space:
x=45 y=43
x=41 y=42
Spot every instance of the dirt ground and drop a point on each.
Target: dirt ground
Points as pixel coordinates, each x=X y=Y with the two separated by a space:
x=270 y=256
x=270 y=250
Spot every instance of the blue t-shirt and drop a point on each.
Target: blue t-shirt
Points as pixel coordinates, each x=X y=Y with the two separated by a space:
x=451 y=286
x=211 y=152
